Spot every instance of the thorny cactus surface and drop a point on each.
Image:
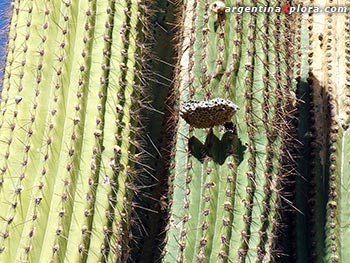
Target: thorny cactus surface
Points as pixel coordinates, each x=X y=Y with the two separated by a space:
x=323 y=221
x=226 y=187
x=75 y=185
x=68 y=130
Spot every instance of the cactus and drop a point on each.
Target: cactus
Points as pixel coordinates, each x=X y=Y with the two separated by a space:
x=324 y=132
x=241 y=156
x=226 y=197
x=68 y=129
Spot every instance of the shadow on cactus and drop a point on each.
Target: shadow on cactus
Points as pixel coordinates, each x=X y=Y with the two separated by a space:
x=216 y=149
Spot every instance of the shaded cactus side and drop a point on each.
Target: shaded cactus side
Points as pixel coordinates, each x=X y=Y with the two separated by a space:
x=226 y=186
x=69 y=130
x=327 y=70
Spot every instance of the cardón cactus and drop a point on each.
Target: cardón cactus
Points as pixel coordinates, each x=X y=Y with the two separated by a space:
x=68 y=130
x=225 y=198
x=75 y=183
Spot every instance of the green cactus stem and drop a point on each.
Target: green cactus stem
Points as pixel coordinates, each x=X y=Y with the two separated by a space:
x=69 y=130
x=225 y=197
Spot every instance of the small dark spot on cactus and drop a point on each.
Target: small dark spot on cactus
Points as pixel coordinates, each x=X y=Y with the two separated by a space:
x=59 y=230
x=18 y=99
x=98 y=133
x=22 y=176
x=203 y=242
x=228 y=193
x=84 y=230
x=95 y=150
x=228 y=206
x=9 y=220
x=226 y=221
x=106 y=38
x=27 y=148
x=19 y=188
x=332 y=204
x=43 y=171
x=335 y=259
x=334 y=248
x=87 y=213
x=27 y=250
x=55 y=248
x=210 y=184
x=38 y=199
x=333 y=157
x=67 y=182
x=332 y=214
x=41 y=52
x=76 y=120
x=205 y=226
x=186 y=204
x=81 y=248
x=183 y=233
x=332 y=225
x=185 y=218
x=333 y=148
x=69 y=167
x=88 y=197
x=333 y=195
x=61 y=213
x=63 y=44
x=5 y=235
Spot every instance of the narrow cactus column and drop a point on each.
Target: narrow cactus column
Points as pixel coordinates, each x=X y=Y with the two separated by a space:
x=69 y=130
x=329 y=195
x=226 y=185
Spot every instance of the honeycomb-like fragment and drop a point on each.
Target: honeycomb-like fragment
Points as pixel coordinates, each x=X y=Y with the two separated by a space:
x=209 y=113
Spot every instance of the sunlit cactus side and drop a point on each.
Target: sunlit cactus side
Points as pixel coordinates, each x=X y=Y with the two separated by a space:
x=69 y=130
x=227 y=186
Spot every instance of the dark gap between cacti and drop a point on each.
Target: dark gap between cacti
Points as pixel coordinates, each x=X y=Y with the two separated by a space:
x=150 y=205
x=300 y=226
x=311 y=188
